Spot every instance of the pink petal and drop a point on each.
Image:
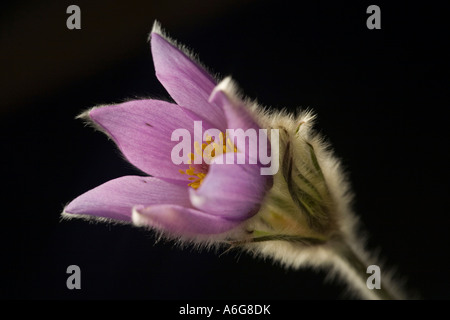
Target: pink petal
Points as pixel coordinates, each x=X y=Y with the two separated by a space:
x=235 y=191
x=184 y=79
x=238 y=117
x=181 y=221
x=116 y=198
x=142 y=130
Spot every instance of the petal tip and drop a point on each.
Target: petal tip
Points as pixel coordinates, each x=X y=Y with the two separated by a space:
x=228 y=87
x=88 y=115
x=137 y=218
x=69 y=212
x=158 y=33
x=67 y=215
x=225 y=85
x=156 y=29
x=196 y=200
x=89 y=118
x=85 y=115
x=227 y=93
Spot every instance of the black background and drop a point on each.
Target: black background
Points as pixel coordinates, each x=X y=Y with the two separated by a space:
x=380 y=96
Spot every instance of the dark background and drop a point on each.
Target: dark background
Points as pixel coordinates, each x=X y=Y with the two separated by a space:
x=380 y=96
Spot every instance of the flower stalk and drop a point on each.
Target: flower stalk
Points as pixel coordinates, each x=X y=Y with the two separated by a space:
x=358 y=266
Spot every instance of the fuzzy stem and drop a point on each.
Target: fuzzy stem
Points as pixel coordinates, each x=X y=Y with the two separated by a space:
x=356 y=264
x=353 y=267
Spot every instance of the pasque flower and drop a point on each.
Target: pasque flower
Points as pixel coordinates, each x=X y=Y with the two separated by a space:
x=184 y=199
x=299 y=216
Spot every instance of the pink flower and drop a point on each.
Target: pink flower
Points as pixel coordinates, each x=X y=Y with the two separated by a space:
x=179 y=199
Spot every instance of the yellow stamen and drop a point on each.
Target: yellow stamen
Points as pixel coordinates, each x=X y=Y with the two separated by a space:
x=217 y=149
x=221 y=146
x=194 y=185
x=197 y=148
x=230 y=144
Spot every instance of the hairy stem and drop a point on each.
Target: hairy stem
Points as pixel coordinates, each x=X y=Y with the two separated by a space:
x=358 y=267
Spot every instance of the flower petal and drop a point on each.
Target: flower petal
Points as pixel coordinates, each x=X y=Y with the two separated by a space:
x=116 y=198
x=242 y=129
x=181 y=221
x=235 y=191
x=184 y=79
x=142 y=130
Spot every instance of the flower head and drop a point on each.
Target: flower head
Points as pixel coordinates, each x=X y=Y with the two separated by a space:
x=202 y=195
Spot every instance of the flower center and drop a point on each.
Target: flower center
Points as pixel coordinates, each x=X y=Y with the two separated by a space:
x=208 y=150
